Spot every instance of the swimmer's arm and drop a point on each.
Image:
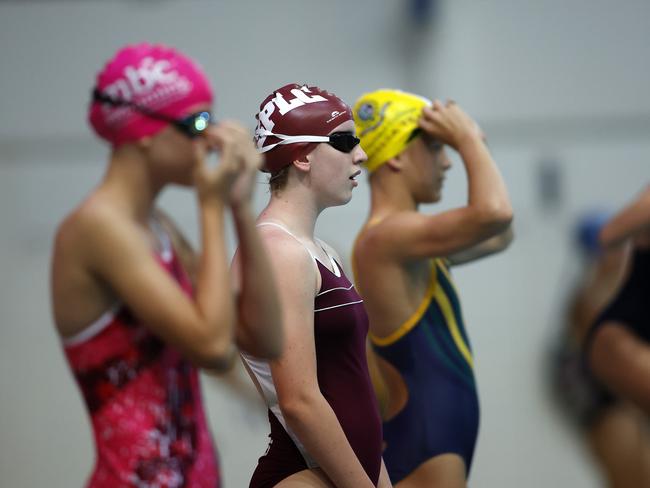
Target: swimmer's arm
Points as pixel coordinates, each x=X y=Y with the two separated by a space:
x=305 y=410
x=629 y=222
x=493 y=245
x=621 y=360
x=186 y=253
x=412 y=235
x=384 y=480
x=259 y=331
x=201 y=327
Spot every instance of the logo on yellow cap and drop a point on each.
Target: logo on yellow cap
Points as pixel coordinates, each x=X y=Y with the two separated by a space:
x=366 y=111
x=384 y=120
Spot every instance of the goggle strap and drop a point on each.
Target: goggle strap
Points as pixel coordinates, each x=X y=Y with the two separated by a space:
x=101 y=97
x=286 y=139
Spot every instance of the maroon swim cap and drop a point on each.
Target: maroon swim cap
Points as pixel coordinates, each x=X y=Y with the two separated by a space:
x=293 y=119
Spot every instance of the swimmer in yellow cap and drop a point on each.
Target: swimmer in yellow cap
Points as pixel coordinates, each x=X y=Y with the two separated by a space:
x=422 y=358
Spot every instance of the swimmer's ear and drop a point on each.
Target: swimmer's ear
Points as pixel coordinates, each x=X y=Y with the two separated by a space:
x=303 y=164
x=144 y=143
x=396 y=163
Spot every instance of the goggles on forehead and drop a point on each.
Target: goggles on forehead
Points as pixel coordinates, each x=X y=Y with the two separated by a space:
x=192 y=125
x=341 y=141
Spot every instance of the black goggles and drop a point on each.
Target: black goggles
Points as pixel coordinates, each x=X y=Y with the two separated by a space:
x=414 y=134
x=192 y=125
x=343 y=141
x=431 y=143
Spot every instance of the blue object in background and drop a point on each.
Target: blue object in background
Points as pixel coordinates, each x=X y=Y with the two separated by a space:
x=587 y=229
x=422 y=11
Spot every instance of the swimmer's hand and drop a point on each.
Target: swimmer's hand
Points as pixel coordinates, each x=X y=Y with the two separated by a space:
x=232 y=143
x=449 y=124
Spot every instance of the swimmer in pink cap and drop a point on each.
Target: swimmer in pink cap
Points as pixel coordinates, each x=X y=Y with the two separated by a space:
x=324 y=421
x=137 y=309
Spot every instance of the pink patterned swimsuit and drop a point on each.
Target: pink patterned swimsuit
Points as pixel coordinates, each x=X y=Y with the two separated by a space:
x=144 y=402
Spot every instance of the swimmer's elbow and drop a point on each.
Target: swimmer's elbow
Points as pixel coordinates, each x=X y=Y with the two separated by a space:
x=298 y=406
x=494 y=219
x=216 y=355
x=505 y=238
x=265 y=342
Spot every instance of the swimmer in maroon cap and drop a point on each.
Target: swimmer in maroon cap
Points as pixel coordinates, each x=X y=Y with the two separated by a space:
x=325 y=425
x=136 y=308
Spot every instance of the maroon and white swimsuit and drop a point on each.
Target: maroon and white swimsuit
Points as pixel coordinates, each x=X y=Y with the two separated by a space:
x=340 y=329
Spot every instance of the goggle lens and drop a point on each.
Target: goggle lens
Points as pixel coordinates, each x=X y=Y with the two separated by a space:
x=344 y=141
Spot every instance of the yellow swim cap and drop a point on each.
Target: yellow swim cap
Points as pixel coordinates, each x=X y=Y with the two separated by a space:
x=385 y=120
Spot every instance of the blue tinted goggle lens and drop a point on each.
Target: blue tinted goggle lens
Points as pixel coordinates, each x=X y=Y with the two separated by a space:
x=193 y=125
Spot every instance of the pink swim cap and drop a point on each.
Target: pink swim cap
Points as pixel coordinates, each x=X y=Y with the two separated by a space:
x=156 y=77
x=291 y=114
